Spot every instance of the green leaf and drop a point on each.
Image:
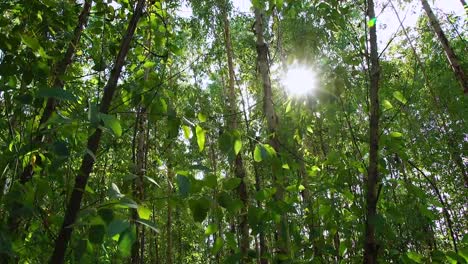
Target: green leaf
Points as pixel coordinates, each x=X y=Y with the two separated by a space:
x=218 y=244
x=152 y=181
x=237 y=146
x=126 y=241
x=31 y=42
x=286 y=166
x=372 y=22
x=184 y=185
x=288 y=107
x=117 y=226
x=106 y=215
x=258 y=153
x=231 y=183
x=200 y=137
x=112 y=123
x=415 y=256
x=396 y=134
x=114 y=191
x=399 y=96
x=143 y=212
x=463 y=252
x=149 y=224
x=149 y=64
x=56 y=93
x=211 y=229
x=202 y=117
x=187 y=132
x=387 y=105
x=199 y=208
x=96 y=234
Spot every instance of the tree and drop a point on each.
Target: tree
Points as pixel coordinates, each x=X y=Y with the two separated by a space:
x=93 y=142
x=454 y=62
x=282 y=247
x=372 y=181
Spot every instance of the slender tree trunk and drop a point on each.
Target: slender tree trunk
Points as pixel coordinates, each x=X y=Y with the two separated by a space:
x=58 y=83
x=87 y=164
x=239 y=169
x=262 y=247
x=138 y=191
x=139 y=159
x=371 y=247
x=170 y=177
x=282 y=235
x=445 y=211
x=60 y=69
x=449 y=52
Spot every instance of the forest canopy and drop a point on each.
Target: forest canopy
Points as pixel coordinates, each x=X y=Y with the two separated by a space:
x=172 y=131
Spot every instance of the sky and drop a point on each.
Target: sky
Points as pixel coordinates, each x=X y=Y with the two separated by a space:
x=386 y=19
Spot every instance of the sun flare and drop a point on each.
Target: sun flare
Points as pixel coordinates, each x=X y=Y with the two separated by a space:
x=299 y=80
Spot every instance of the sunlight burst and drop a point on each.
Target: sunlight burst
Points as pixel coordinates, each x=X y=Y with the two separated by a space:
x=299 y=80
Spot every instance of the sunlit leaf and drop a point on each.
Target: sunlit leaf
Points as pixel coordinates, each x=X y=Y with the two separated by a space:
x=399 y=96
x=200 y=137
x=211 y=229
x=143 y=212
x=187 y=132
x=396 y=134
x=237 y=146
x=258 y=153
x=387 y=105
x=201 y=117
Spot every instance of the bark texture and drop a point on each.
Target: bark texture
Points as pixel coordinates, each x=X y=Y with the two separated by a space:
x=449 y=52
x=371 y=247
x=282 y=236
x=87 y=164
x=239 y=169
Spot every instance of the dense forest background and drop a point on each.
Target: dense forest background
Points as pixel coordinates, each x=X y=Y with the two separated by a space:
x=132 y=134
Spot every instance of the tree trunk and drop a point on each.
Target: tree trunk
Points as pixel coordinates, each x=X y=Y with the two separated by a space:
x=138 y=191
x=449 y=52
x=371 y=247
x=239 y=170
x=60 y=69
x=170 y=177
x=282 y=234
x=445 y=207
x=87 y=164
x=262 y=245
x=58 y=83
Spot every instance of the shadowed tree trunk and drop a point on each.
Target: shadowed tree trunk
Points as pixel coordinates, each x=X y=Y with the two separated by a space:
x=58 y=83
x=94 y=139
x=370 y=244
x=449 y=52
x=282 y=235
